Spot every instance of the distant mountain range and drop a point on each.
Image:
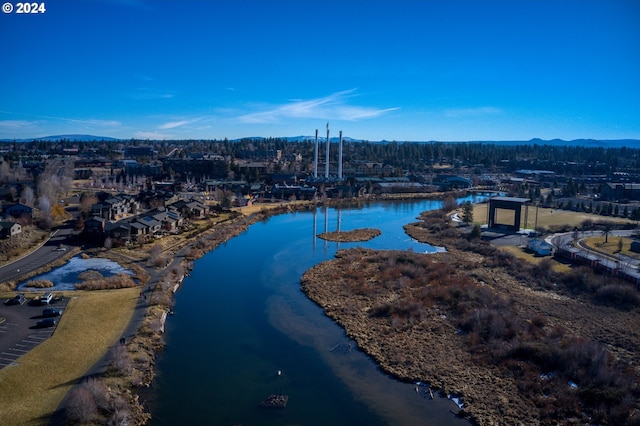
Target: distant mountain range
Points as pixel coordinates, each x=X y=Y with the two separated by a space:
x=73 y=138
x=608 y=143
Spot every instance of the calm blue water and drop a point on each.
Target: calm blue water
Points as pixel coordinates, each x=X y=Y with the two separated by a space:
x=241 y=316
x=66 y=276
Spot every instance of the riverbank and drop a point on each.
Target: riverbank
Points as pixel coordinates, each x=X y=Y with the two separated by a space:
x=131 y=368
x=476 y=323
x=127 y=368
x=148 y=340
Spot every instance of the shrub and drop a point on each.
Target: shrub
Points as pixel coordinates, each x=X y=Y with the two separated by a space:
x=580 y=280
x=543 y=354
x=99 y=393
x=113 y=282
x=121 y=360
x=90 y=275
x=39 y=284
x=119 y=417
x=80 y=407
x=620 y=296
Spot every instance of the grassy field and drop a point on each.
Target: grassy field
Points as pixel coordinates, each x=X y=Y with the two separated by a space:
x=545 y=217
x=520 y=253
x=31 y=391
x=611 y=247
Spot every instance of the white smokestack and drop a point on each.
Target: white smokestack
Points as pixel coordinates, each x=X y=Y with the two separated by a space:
x=326 y=164
x=340 y=157
x=315 y=157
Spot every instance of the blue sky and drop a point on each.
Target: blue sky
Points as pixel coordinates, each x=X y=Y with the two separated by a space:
x=376 y=69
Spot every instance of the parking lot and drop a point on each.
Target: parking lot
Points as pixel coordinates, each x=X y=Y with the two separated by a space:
x=18 y=332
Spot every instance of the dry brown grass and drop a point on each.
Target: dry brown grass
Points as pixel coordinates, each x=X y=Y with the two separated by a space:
x=355 y=235
x=39 y=284
x=611 y=247
x=30 y=239
x=523 y=254
x=260 y=207
x=502 y=321
x=31 y=391
x=546 y=217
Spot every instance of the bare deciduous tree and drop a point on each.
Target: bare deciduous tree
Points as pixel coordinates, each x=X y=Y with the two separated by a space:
x=27 y=195
x=5 y=172
x=45 y=212
x=80 y=408
x=121 y=360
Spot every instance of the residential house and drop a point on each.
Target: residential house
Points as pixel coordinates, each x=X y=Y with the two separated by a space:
x=197 y=209
x=18 y=210
x=120 y=230
x=94 y=226
x=138 y=229
x=540 y=247
x=9 y=229
x=190 y=208
x=170 y=220
x=153 y=226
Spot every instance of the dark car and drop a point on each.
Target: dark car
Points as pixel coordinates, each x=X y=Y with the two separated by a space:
x=17 y=300
x=48 y=322
x=51 y=312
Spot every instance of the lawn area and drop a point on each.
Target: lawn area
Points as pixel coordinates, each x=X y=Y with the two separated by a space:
x=545 y=217
x=520 y=253
x=31 y=391
x=612 y=246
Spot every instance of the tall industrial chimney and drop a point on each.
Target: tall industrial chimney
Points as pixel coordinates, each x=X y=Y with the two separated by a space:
x=340 y=157
x=315 y=157
x=326 y=164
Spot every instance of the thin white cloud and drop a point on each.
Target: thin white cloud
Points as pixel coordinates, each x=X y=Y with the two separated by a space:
x=332 y=107
x=101 y=123
x=146 y=95
x=174 y=124
x=16 y=124
x=89 y=121
x=472 y=112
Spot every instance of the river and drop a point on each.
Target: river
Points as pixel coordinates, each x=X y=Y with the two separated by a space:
x=242 y=329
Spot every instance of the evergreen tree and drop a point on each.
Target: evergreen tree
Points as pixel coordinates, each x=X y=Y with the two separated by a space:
x=475 y=232
x=467 y=212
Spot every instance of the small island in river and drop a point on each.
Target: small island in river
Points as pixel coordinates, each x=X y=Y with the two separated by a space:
x=353 y=236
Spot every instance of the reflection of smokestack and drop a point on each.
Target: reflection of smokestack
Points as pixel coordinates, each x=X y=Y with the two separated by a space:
x=340 y=157
x=326 y=164
x=315 y=157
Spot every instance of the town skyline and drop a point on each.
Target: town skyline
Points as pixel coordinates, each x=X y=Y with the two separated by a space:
x=405 y=71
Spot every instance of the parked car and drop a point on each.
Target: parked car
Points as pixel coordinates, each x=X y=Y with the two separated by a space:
x=17 y=300
x=51 y=312
x=47 y=322
x=46 y=299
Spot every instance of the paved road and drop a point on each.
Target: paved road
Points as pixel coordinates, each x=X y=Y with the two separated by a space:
x=49 y=252
x=626 y=264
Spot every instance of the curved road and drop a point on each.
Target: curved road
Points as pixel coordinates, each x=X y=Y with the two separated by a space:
x=47 y=253
x=566 y=240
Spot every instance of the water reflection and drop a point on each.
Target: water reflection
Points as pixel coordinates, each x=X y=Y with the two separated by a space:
x=66 y=276
x=241 y=316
